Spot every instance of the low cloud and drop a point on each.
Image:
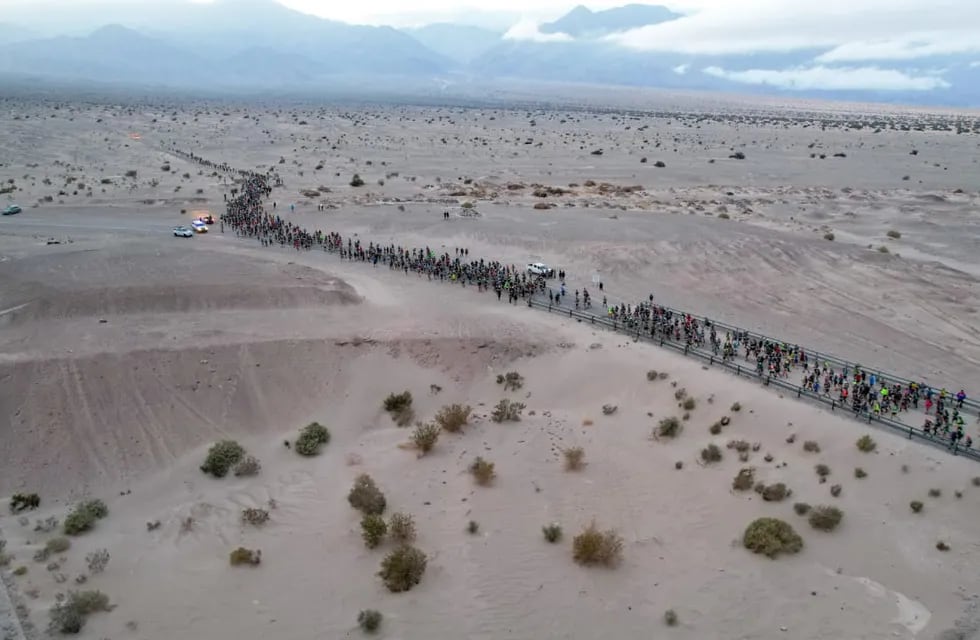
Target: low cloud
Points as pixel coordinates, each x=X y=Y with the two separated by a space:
x=527 y=30
x=681 y=69
x=909 y=48
x=833 y=79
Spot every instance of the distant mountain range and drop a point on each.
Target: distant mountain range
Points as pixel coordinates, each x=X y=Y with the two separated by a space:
x=262 y=45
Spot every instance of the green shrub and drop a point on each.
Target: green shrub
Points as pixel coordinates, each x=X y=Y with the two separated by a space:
x=670 y=618
x=84 y=515
x=669 y=428
x=247 y=466
x=373 y=530
x=402 y=569
x=744 y=480
x=801 y=508
x=866 y=444
x=482 y=471
x=689 y=404
x=916 y=506
x=221 y=457
x=511 y=380
x=401 y=526
x=369 y=620
x=860 y=473
x=552 y=532
x=825 y=518
x=366 y=497
x=311 y=438
x=597 y=547
x=507 y=411
x=771 y=536
x=241 y=555
x=453 y=417
x=24 y=501
x=399 y=407
x=711 y=453
x=69 y=612
x=574 y=458
x=425 y=436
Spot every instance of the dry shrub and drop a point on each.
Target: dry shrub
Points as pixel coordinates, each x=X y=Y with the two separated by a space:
x=247 y=466
x=425 y=436
x=221 y=457
x=651 y=375
x=715 y=429
x=574 y=458
x=473 y=527
x=811 y=446
x=669 y=428
x=399 y=407
x=711 y=453
x=742 y=446
x=69 y=612
x=511 y=380
x=241 y=555
x=935 y=493
x=507 y=411
x=942 y=546
x=679 y=465
x=97 y=561
x=453 y=417
x=825 y=518
x=670 y=618
x=775 y=492
x=866 y=444
x=976 y=481
x=482 y=471
x=689 y=404
x=311 y=438
x=373 y=530
x=401 y=527
x=84 y=516
x=736 y=407
x=24 y=502
x=552 y=532
x=593 y=547
x=57 y=545
x=609 y=409
x=801 y=508
x=822 y=470
x=402 y=569
x=835 y=490
x=366 y=497
x=892 y=233
x=860 y=473
x=256 y=517
x=369 y=620
x=680 y=394
x=771 y=536
x=916 y=506
x=744 y=480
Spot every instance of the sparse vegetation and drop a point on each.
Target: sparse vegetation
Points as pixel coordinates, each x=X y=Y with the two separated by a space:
x=507 y=411
x=935 y=493
x=669 y=427
x=736 y=407
x=825 y=518
x=860 y=473
x=425 y=436
x=256 y=517
x=574 y=458
x=69 y=612
x=24 y=502
x=711 y=453
x=403 y=568
x=552 y=532
x=835 y=490
x=356 y=181
x=84 y=516
x=247 y=466
x=651 y=375
x=670 y=618
x=473 y=527
x=241 y=555
x=866 y=444
x=366 y=497
x=829 y=236
x=57 y=545
x=689 y=404
x=221 y=457
x=482 y=471
x=801 y=508
x=511 y=380
x=373 y=530
x=399 y=407
x=453 y=417
x=775 y=492
x=942 y=546
x=593 y=547
x=311 y=438
x=401 y=527
x=916 y=506
x=369 y=620
x=715 y=429
x=822 y=470
x=894 y=234
x=810 y=446
x=744 y=480
x=771 y=536
x=97 y=561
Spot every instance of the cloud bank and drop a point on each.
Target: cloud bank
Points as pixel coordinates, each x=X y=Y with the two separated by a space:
x=527 y=30
x=833 y=79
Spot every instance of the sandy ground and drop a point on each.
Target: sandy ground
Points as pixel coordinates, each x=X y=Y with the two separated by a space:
x=125 y=352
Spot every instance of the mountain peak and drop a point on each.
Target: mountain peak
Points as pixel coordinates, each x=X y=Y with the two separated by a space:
x=582 y=22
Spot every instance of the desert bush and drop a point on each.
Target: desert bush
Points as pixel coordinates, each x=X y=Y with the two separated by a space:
x=24 y=502
x=742 y=446
x=482 y=471
x=771 y=537
x=860 y=473
x=356 y=181
x=552 y=532
x=744 y=480
x=402 y=569
x=679 y=465
x=311 y=438
x=811 y=446
x=609 y=409
x=866 y=444
x=58 y=545
x=401 y=526
x=801 y=508
x=680 y=394
x=725 y=421
x=69 y=612
x=892 y=233
x=373 y=530
x=715 y=429
x=935 y=493
x=255 y=517
x=399 y=406
x=775 y=492
x=574 y=458
x=822 y=470
x=453 y=417
x=369 y=620
x=724 y=216
x=507 y=411
x=660 y=164
x=738 y=155
x=689 y=404
x=651 y=375
x=597 y=547
x=83 y=517
x=241 y=555
x=670 y=618
x=711 y=453
x=942 y=546
x=736 y=407
x=825 y=518
x=97 y=561
x=976 y=481
x=829 y=236
x=669 y=427
x=221 y=457
x=511 y=380
x=883 y=249
x=247 y=466
x=366 y=497
x=916 y=506
x=473 y=527
x=835 y=490
x=425 y=436
x=131 y=173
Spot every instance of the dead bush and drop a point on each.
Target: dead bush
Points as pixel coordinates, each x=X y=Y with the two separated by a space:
x=507 y=411
x=680 y=394
x=711 y=453
x=373 y=530
x=744 y=480
x=669 y=427
x=511 y=380
x=256 y=517
x=942 y=546
x=860 y=473
x=369 y=620
x=69 y=612
x=866 y=444
x=593 y=547
x=403 y=568
x=916 y=506
x=97 y=561
x=825 y=518
x=552 y=532
x=241 y=555
x=399 y=407
x=670 y=618
x=822 y=470
x=742 y=446
x=935 y=493
x=689 y=404
x=892 y=233
x=810 y=446
x=801 y=508
x=366 y=497
x=775 y=492
x=401 y=527
x=482 y=471
x=574 y=458
x=24 y=502
x=609 y=409
x=651 y=375
x=771 y=536
x=247 y=466
x=425 y=436
x=453 y=417
x=835 y=490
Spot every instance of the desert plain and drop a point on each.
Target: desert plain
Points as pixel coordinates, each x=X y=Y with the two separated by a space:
x=126 y=352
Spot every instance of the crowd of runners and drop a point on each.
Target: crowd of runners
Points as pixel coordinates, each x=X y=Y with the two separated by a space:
x=861 y=391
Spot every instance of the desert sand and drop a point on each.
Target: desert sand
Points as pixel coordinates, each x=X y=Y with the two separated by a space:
x=126 y=352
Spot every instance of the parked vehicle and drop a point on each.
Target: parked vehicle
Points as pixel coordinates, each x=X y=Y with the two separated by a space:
x=540 y=269
x=183 y=232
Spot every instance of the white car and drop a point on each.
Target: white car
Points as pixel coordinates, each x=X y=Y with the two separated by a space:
x=199 y=227
x=540 y=269
x=183 y=232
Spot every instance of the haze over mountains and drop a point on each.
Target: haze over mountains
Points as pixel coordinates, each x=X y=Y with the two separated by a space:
x=260 y=45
